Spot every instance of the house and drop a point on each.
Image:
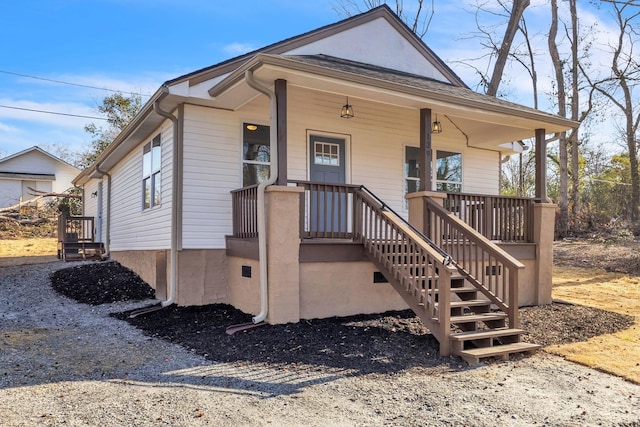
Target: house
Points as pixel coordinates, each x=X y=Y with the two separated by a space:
x=33 y=168
x=346 y=170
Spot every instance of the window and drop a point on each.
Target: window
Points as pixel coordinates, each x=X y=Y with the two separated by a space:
x=151 y=174
x=326 y=153
x=256 y=154
x=448 y=171
x=411 y=170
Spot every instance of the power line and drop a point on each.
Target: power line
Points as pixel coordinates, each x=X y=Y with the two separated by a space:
x=52 y=112
x=72 y=84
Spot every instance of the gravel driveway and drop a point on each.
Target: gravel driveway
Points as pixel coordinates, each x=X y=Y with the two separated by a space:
x=64 y=363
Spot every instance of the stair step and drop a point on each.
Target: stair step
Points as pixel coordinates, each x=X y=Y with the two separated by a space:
x=481 y=317
x=473 y=356
x=459 y=290
x=470 y=303
x=482 y=334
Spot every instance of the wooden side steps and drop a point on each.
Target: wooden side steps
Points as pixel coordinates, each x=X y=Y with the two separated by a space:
x=75 y=251
x=480 y=330
x=484 y=333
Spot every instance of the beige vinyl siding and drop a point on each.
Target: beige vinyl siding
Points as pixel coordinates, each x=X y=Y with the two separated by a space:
x=211 y=171
x=378 y=134
x=133 y=228
x=89 y=203
x=376 y=138
x=391 y=50
x=480 y=169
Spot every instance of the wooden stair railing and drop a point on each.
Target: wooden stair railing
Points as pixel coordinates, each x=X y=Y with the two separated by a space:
x=440 y=290
x=484 y=264
x=418 y=271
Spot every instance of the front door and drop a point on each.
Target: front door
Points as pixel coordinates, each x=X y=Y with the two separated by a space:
x=328 y=206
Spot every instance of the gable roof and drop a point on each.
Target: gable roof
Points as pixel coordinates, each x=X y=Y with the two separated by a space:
x=291 y=43
x=224 y=86
x=39 y=150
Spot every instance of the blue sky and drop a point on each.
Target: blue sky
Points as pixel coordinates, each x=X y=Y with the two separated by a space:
x=134 y=46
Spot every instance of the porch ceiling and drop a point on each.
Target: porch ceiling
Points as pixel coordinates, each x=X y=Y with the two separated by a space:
x=485 y=121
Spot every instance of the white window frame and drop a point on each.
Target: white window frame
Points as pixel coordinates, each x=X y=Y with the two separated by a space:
x=434 y=172
x=244 y=161
x=437 y=181
x=405 y=176
x=154 y=175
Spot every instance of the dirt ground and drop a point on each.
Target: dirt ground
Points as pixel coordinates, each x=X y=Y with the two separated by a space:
x=27 y=251
x=606 y=275
x=64 y=363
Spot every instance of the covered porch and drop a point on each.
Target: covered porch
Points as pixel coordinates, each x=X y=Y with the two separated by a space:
x=332 y=246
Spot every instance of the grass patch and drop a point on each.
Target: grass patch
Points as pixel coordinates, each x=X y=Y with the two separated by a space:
x=614 y=353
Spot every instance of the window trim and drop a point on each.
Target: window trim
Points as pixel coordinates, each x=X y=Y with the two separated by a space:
x=154 y=176
x=437 y=181
x=434 y=172
x=243 y=161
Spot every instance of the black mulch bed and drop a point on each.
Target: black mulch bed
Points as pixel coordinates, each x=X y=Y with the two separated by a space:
x=381 y=343
x=100 y=283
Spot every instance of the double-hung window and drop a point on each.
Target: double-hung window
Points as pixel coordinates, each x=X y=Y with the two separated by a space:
x=447 y=173
x=151 y=173
x=256 y=154
x=411 y=170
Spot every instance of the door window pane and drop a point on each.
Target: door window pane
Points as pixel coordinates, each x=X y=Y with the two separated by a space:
x=326 y=153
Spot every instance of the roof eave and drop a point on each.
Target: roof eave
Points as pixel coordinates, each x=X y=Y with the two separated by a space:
x=275 y=60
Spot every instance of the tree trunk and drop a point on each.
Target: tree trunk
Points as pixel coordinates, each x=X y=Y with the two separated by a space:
x=575 y=106
x=563 y=220
x=505 y=48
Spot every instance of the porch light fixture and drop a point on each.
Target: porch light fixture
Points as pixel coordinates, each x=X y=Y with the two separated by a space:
x=252 y=127
x=347 y=110
x=436 y=126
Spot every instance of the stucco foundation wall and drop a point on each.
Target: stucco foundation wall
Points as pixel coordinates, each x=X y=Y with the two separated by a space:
x=528 y=287
x=144 y=264
x=344 y=289
x=202 y=277
x=244 y=292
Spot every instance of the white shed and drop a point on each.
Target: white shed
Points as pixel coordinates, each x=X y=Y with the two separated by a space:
x=32 y=168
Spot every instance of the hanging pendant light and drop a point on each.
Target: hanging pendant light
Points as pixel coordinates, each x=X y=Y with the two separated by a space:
x=347 y=110
x=436 y=126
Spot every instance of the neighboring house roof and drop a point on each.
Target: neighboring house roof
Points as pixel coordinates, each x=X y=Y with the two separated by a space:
x=38 y=149
x=28 y=176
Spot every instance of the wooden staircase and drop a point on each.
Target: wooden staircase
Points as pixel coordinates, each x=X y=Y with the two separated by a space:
x=472 y=316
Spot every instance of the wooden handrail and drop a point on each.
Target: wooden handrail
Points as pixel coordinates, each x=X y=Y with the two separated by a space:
x=408 y=261
x=492 y=270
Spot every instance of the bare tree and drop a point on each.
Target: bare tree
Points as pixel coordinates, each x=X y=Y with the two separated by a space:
x=417 y=18
x=503 y=52
x=558 y=67
x=620 y=87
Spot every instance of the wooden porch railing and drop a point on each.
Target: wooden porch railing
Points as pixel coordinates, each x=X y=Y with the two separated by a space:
x=75 y=229
x=493 y=271
x=245 y=212
x=504 y=218
x=326 y=210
